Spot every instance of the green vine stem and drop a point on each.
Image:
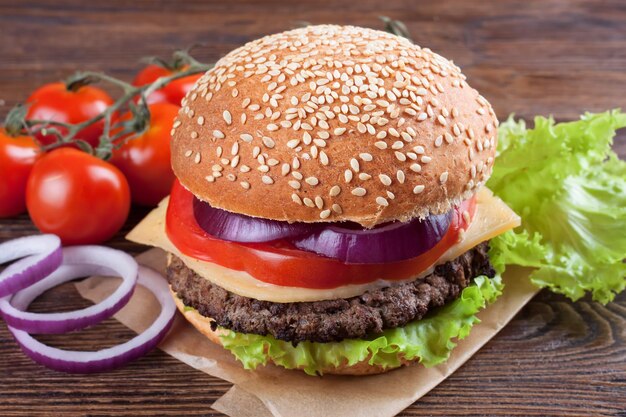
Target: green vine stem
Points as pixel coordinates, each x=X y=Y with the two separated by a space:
x=65 y=133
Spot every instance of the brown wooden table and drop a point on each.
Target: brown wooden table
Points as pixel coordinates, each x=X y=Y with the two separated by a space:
x=550 y=57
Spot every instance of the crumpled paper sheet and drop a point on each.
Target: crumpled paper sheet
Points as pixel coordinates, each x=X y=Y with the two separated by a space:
x=273 y=391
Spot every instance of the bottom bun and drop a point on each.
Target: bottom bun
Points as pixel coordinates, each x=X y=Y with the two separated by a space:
x=203 y=325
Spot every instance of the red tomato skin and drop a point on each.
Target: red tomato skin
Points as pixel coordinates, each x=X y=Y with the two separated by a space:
x=145 y=160
x=77 y=196
x=173 y=93
x=55 y=102
x=147 y=76
x=279 y=263
x=17 y=157
x=178 y=89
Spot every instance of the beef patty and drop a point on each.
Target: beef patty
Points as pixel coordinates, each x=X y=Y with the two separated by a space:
x=330 y=320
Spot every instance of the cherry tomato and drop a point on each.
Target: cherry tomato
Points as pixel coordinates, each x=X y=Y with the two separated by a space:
x=77 y=196
x=174 y=92
x=17 y=157
x=145 y=160
x=55 y=102
x=281 y=264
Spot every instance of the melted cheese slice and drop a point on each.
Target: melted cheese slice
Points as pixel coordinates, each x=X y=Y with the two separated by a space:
x=492 y=218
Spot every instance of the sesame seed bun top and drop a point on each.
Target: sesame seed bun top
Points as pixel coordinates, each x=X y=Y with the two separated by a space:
x=334 y=123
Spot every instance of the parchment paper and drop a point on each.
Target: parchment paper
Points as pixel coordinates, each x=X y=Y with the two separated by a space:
x=273 y=391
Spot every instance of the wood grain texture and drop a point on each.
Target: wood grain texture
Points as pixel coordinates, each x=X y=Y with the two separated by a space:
x=551 y=57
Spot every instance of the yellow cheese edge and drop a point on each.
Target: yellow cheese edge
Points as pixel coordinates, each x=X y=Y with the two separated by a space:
x=492 y=218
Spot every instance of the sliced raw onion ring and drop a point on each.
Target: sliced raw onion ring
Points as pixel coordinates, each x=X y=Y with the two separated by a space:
x=46 y=257
x=78 y=262
x=106 y=359
x=389 y=243
x=240 y=228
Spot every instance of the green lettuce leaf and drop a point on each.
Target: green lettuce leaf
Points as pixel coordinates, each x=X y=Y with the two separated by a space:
x=430 y=339
x=570 y=190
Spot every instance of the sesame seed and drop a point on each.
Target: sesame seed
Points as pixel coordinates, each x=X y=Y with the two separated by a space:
x=443 y=177
x=194 y=135
x=245 y=185
x=324 y=158
x=267 y=179
x=359 y=191
x=334 y=191
x=325 y=214
x=268 y=142
x=308 y=202
x=284 y=169
x=354 y=164
x=416 y=167
x=272 y=127
x=312 y=181
x=294 y=184
x=339 y=131
x=188 y=153
x=296 y=199
x=442 y=120
x=319 y=202
x=381 y=145
x=176 y=124
x=382 y=201
x=197 y=158
x=227 y=117
x=347 y=174
x=406 y=137
x=200 y=120
x=218 y=134
x=337 y=208
x=364 y=177
x=426 y=159
x=400 y=156
x=246 y=137
x=438 y=141
x=418 y=189
x=210 y=178
x=366 y=156
x=384 y=179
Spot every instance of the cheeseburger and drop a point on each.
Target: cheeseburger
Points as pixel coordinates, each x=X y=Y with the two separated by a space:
x=329 y=198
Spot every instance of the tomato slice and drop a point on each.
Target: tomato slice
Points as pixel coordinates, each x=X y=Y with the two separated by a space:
x=280 y=263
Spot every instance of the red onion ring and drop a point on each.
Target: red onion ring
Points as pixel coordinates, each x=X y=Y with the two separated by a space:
x=393 y=242
x=240 y=228
x=389 y=243
x=78 y=262
x=47 y=256
x=105 y=359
